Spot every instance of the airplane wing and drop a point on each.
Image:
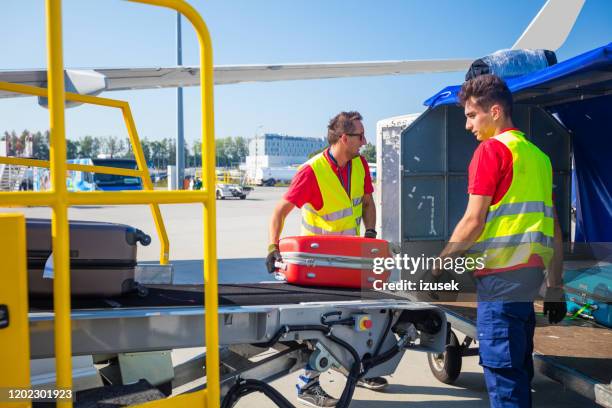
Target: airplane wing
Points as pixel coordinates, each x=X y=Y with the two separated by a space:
x=551 y=26
x=548 y=30
x=121 y=79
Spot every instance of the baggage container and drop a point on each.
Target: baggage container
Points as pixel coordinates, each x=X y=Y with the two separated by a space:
x=102 y=257
x=332 y=260
x=588 y=290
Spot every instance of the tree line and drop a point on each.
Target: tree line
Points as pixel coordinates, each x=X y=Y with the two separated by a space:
x=230 y=151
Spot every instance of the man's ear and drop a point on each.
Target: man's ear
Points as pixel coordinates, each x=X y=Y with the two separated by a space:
x=496 y=111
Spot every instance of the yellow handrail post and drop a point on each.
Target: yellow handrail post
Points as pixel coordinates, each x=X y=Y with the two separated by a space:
x=209 y=217
x=164 y=255
x=60 y=232
x=209 y=211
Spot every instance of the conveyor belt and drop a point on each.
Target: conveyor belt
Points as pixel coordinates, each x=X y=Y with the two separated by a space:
x=256 y=294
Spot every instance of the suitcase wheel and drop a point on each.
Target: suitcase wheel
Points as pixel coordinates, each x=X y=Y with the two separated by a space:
x=134 y=235
x=142 y=291
x=146 y=240
x=143 y=238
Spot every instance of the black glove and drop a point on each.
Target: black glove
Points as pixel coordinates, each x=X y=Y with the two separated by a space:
x=370 y=233
x=273 y=257
x=554 y=305
x=445 y=276
x=429 y=277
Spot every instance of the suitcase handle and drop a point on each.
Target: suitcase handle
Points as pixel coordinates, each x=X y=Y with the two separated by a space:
x=581 y=303
x=278 y=274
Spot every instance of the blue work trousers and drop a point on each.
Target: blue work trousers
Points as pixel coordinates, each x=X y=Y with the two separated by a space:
x=506 y=324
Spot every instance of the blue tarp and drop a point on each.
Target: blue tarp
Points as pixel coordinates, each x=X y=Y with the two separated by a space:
x=579 y=91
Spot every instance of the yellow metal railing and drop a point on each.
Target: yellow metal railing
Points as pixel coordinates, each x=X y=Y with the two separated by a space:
x=59 y=199
x=142 y=171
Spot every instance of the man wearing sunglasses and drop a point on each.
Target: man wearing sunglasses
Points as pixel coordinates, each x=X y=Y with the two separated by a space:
x=334 y=190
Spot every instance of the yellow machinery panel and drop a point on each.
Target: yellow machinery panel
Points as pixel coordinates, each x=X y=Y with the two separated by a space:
x=14 y=331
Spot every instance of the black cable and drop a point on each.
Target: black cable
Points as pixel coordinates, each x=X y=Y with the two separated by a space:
x=353 y=376
x=384 y=334
x=280 y=333
x=371 y=362
x=246 y=387
x=386 y=356
x=349 y=321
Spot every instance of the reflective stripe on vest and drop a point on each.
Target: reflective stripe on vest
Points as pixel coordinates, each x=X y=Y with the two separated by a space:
x=331 y=216
x=521 y=208
x=320 y=231
x=534 y=237
x=340 y=214
x=521 y=224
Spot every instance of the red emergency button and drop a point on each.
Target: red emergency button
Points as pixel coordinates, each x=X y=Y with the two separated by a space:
x=364 y=322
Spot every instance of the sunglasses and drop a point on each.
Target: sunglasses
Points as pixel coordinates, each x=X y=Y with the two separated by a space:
x=361 y=135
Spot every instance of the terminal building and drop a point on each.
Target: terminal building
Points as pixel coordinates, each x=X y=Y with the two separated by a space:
x=274 y=150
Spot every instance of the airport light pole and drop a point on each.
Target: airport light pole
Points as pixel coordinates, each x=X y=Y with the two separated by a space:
x=180 y=136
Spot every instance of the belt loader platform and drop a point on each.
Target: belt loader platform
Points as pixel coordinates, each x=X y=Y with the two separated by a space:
x=298 y=322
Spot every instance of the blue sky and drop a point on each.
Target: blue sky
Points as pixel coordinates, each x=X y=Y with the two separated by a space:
x=110 y=33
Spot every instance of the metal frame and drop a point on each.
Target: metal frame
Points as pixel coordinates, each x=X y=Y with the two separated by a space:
x=59 y=199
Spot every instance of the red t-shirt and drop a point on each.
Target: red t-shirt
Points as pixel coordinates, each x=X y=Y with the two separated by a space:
x=490 y=174
x=305 y=189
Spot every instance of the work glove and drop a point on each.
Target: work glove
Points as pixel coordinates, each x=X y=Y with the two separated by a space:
x=554 y=305
x=370 y=233
x=274 y=256
x=431 y=278
x=436 y=276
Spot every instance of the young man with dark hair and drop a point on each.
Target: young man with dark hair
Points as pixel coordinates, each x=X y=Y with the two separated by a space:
x=334 y=190
x=510 y=223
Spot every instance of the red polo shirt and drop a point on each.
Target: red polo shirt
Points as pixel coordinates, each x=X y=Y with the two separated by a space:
x=305 y=189
x=490 y=174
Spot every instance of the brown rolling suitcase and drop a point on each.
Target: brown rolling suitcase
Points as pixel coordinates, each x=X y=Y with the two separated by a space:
x=102 y=257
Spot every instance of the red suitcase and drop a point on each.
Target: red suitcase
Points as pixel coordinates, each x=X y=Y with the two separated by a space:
x=332 y=260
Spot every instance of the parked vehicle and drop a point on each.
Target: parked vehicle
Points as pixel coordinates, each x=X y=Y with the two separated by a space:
x=269 y=176
x=112 y=182
x=224 y=191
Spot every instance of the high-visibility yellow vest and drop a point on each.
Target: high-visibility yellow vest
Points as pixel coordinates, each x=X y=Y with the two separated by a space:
x=340 y=214
x=522 y=222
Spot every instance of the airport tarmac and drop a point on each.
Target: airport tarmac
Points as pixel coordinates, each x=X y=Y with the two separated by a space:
x=242 y=231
